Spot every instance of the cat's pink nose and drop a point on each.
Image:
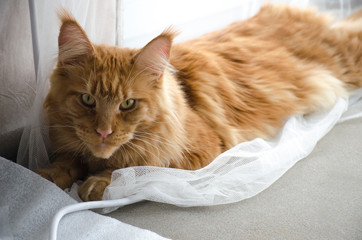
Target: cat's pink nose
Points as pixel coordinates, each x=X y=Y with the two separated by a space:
x=104 y=133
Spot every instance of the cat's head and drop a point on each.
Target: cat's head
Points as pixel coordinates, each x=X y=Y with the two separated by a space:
x=105 y=95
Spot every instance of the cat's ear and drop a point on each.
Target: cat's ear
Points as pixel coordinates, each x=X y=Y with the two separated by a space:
x=154 y=57
x=73 y=42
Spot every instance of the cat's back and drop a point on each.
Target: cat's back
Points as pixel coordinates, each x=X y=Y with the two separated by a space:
x=271 y=23
x=288 y=31
x=245 y=79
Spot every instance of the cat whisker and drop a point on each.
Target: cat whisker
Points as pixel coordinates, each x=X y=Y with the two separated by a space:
x=164 y=142
x=65 y=146
x=124 y=150
x=160 y=149
x=139 y=137
x=144 y=149
x=127 y=144
x=80 y=150
x=150 y=144
x=154 y=137
x=157 y=149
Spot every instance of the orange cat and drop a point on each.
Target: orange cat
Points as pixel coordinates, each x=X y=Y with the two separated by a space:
x=181 y=105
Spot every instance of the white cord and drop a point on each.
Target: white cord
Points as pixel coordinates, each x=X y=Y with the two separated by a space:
x=86 y=206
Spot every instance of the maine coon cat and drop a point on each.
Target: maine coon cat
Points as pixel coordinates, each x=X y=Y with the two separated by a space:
x=180 y=105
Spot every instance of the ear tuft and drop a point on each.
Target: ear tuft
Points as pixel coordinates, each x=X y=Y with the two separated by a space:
x=155 y=55
x=73 y=42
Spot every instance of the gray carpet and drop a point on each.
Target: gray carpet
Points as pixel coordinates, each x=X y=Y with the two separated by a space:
x=319 y=198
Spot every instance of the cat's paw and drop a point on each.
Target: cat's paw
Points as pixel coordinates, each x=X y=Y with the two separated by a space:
x=58 y=176
x=92 y=189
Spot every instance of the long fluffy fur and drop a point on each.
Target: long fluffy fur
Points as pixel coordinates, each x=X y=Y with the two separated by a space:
x=194 y=99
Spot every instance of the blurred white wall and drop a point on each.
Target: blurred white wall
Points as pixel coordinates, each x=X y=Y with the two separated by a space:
x=143 y=20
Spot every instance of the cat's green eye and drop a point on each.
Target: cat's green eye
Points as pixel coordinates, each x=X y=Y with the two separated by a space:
x=128 y=104
x=88 y=100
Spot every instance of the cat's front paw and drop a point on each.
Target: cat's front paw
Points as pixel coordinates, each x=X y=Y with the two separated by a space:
x=58 y=176
x=92 y=189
